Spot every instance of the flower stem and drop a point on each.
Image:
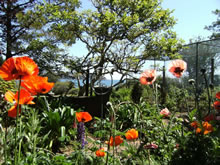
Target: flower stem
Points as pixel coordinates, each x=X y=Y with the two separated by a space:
x=112 y=128
x=208 y=93
x=17 y=115
x=5 y=143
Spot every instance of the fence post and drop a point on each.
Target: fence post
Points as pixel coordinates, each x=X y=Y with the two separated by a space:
x=197 y=68
x=163 y=88
x=87 y=82
x=212 y=70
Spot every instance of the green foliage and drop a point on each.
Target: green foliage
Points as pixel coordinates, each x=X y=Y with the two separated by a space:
x=127 y=116
x=52 y=77
x=58 y=124
x=31 y=144
x=6 y=86
x=73 y=92
x=122 y=94
x=62 y=88
x=176 y=99
x=215 y=25
x=197 y=150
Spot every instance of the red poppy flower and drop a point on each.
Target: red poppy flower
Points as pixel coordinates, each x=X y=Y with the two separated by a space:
x=177 y=67
x=131 y=134
x=83 y=116
x=25 y=98
x=36 y=85
x=217 y=105
x=148 y=77
x=100 y=152
x=117 y=141
x=218 y=95
x=18 y=67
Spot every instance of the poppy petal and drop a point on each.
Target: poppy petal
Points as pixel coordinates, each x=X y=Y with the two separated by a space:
x=83 y=116
x=100 y=152
x=131 y=134
x=177 y=67
x=12 y=112
x=8 y=70
x=25 y=97
x=26 y=66
x=217 y=105
x=10 y=96
x=148 y=77
x=37 y=85
x=218 y=95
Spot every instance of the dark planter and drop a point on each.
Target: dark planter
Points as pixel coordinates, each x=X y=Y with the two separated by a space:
x=95 y=105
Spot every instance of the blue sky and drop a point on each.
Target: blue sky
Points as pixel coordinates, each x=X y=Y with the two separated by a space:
x=192 y=16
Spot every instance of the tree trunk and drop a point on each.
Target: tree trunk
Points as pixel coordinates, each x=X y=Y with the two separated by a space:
x=8 y=31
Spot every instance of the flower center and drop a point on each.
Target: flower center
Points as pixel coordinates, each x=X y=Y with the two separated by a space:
x=43 y=90
x=83 y=120
x=178 y=70
x=14 y=71
x=149 y=79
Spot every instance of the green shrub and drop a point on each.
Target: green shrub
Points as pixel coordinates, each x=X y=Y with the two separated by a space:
x=136 y=92
x=61 y=88
x=6 y=86
x=122 y=94
x=73 y=91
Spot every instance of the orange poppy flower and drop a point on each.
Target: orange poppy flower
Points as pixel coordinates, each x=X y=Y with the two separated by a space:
x=36 y=85
x=217 y=105
x=100 y=152
x=198 y=130
x=131 y=134
x=83 y=116
x=217 y=95
x=148 y=77
x=207 y=128
x=117 y=141
x=25 y=98
x=177 y=67
x=18 y=67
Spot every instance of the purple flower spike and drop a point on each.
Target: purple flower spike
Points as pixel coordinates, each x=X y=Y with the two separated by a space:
x=81 y=133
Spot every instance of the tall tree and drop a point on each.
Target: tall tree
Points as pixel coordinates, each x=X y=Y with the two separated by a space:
x=11 y=31
x=215 y=27
x=119 y=33
x=50 y=30
x=24 y=29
